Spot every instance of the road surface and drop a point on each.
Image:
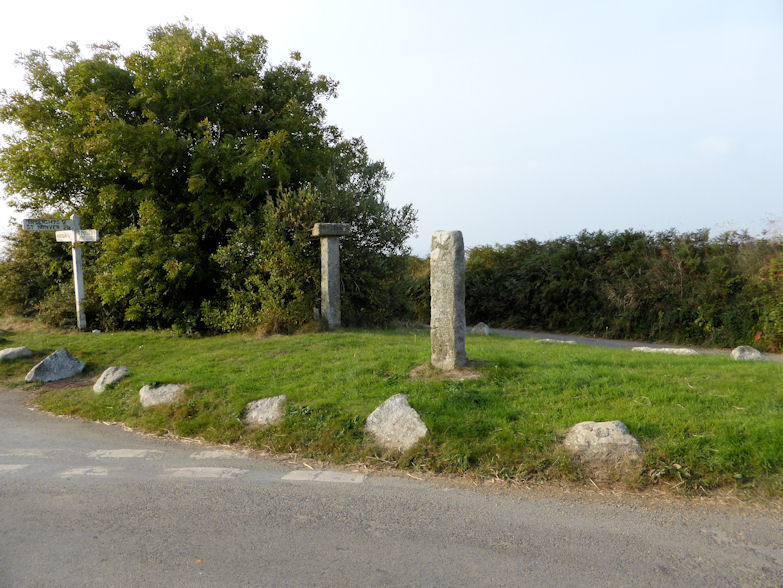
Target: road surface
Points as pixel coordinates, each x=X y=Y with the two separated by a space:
x=88 y=504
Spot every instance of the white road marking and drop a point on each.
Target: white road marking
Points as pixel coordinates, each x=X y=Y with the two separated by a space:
x=217 y=454
x=205 y=472
x=124 y=453
x=23 y=453
x=89 y=471
x=324 y=476
x=12 y=467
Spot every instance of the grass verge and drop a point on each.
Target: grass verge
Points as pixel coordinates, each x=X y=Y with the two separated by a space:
x=704 y=422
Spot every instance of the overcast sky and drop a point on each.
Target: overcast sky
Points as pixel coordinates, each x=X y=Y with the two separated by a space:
x=518 y=119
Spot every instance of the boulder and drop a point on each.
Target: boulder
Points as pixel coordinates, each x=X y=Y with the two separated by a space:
x=481 y=329
x=266 y=411
x=606 y=443
x=395 y=425
x=746 y=353
x=671 y=350
x=15 y=353
x=57 y=366
x=164 y=394
x=111 y=375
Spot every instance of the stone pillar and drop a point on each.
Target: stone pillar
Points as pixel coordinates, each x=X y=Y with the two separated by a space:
x=330 y=269
x=447 y=300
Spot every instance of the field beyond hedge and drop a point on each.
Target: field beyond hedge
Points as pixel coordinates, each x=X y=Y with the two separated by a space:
x=704 y=422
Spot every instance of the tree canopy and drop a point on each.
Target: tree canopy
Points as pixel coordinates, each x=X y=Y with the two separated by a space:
x=203 y=166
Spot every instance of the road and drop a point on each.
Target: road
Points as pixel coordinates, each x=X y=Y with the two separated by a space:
x=89 y=504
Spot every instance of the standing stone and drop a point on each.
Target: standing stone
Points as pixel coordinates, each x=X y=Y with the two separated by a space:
x=746 y=353
x=395 y=425
x=447 y=300
x=110 y=376
x=330 y=269
x=57 y=366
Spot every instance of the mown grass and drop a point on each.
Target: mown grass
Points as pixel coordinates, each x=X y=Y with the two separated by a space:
x=704 y=422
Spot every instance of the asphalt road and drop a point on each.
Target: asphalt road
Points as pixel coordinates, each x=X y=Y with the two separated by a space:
x=87 y=504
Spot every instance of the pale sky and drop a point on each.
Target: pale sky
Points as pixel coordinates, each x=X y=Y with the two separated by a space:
x=518 y=119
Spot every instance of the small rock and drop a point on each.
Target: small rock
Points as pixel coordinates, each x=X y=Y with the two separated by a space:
x=96 y=331
x=671 y=350
x=15 y=353
x=604 y=443
x=111 y=375
x=57 y=366
x=395 y=425
x=164 y=394
x=481 y=329
x=746 y=353
x=266 y=411
x=565 y=341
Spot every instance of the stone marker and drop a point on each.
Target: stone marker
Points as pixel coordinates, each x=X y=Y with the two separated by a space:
x=747 y=353
x=671 y=350
x=164 y=394
x=395 y=425
x=57 y=366
x=604 y=443
x=447 y=300
x=69 y=231
x=481 y=329
x=110 y=375
x=266 y=411
x=15 y=353
x=330 y=269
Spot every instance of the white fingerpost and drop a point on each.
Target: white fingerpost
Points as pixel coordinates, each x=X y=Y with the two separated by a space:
x=69 y=231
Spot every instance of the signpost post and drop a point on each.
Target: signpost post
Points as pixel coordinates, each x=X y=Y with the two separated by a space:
x=69 y=231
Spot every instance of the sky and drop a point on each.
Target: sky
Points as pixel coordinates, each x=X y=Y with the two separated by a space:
x=512 y=120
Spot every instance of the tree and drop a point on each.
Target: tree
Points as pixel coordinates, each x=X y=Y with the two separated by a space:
x=179 y=154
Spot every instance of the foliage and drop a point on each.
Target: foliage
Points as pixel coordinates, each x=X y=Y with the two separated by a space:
x=678 y=287
x=179 y=155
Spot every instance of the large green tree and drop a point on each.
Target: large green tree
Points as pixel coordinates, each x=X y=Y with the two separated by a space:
x=202 y=165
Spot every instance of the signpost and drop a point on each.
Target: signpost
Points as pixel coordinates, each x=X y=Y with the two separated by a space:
x=69 y=231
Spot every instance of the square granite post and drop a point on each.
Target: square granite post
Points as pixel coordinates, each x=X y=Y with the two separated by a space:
x=447 y=300
x=330 y=269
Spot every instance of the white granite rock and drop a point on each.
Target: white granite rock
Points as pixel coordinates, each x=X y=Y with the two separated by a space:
x=563 y=341
x=164 y=394
x=746 y=353
x=671 y=350
x=395 y=425
x=481 y=329
x=15 y=353
x=57 y=366
x=607 y=442
x=111 y=375
x=266 y=411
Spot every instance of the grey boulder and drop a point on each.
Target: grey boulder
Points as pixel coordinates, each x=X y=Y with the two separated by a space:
x=395 y=425
x=15 y=353
x=164 y=394
x=266 y=411
x=481 y=329
x=110 y=375
x=57 y=366
x=746 y=353
x=602 y=443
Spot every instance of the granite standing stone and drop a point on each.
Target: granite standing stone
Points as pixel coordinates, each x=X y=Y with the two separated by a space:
x=395 y=425
x=15 y=353
x=330 y=269
x=447 y=300
x=110 y=376
x=57 y=366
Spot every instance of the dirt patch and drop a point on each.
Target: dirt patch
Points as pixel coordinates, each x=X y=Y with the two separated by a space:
x=69 y=383
x=425 y=371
